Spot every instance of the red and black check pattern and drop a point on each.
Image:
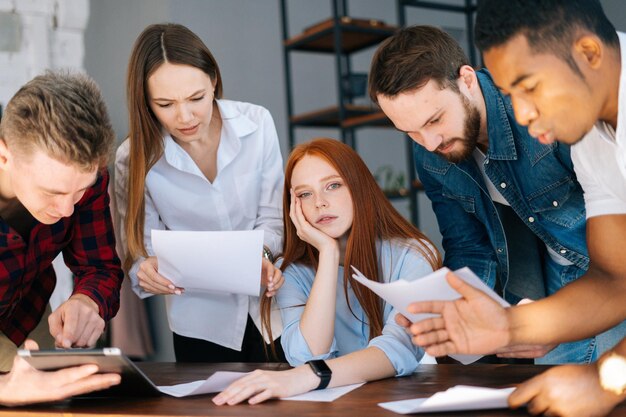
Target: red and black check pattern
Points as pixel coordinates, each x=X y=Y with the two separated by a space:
x=87 y=241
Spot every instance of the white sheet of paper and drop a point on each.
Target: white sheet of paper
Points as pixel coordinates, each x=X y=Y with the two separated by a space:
x=324 y=395
x=217 y=382
x=458 y=398
x=434 y=286
x=227 y=262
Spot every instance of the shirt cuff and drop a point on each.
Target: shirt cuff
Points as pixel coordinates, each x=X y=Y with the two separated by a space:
x=404 y=359
x=297 y=350
x=132 y=274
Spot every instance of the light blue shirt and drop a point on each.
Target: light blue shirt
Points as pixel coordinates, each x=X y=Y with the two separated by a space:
x=397 y=261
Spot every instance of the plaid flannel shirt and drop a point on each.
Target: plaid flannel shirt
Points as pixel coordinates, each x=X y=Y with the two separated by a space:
x=27 y=277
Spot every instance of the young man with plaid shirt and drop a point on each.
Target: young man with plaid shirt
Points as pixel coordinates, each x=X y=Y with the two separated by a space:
x=55 y=140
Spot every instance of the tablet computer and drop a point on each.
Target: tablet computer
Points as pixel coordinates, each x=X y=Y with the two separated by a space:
x=109 y=360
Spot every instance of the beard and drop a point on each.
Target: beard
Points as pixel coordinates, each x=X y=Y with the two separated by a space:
x=471 y=132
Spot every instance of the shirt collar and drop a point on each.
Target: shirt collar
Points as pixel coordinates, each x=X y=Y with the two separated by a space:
x=240 y=124
x=235 y=126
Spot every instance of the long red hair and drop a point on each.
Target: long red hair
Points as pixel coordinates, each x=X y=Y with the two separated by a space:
x=375 y=219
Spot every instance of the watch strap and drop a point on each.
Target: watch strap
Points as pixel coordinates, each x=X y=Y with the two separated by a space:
x=322 y=370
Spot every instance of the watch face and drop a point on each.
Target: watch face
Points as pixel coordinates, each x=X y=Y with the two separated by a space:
x=320 y=368
x=613 y=374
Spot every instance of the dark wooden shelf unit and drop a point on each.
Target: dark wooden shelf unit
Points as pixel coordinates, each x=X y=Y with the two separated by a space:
x=356 y=34
x=355 y=116
x=341 y=36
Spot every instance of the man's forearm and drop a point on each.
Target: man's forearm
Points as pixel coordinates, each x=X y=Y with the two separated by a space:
x=583 y=308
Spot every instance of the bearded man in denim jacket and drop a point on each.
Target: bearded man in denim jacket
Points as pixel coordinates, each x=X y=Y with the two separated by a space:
x=507 y=206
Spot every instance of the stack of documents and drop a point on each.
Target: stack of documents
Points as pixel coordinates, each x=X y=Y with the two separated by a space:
x=433 y=286
x=458 y=398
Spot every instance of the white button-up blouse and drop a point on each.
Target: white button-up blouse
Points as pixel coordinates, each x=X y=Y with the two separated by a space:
x=245 y=195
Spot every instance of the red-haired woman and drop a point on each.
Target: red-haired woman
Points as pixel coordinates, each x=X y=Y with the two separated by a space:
x=336 y=331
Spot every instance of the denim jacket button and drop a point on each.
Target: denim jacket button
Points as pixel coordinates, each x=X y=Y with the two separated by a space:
x=531 y=219
x=503 y=185
x=563 y=251
x=500 y=250
x=555 y=203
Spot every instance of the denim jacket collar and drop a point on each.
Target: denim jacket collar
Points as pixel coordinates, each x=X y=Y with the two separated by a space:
x=503 y=131
x=498 y=124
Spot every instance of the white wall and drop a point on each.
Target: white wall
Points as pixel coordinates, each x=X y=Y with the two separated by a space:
x=39 y=34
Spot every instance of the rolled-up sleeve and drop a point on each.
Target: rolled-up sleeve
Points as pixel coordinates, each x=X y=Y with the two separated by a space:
x=396 y=343
x=291 y=299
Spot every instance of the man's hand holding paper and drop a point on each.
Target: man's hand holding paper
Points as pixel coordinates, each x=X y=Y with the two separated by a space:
x=474 y=324
x=456 y=315
x=452 y=316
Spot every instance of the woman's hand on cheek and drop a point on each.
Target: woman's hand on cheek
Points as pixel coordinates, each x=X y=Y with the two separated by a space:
x=306 y=231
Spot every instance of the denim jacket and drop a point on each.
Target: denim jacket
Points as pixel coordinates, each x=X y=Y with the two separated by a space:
x=538 y=181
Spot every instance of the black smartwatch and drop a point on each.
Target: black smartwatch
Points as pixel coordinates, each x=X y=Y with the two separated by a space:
x=322 y=370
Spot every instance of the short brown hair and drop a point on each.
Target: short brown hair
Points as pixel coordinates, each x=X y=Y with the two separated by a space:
x=412 y=57
x=62 y=113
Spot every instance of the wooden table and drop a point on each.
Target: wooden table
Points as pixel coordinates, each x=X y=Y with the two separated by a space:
x=361 y=402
